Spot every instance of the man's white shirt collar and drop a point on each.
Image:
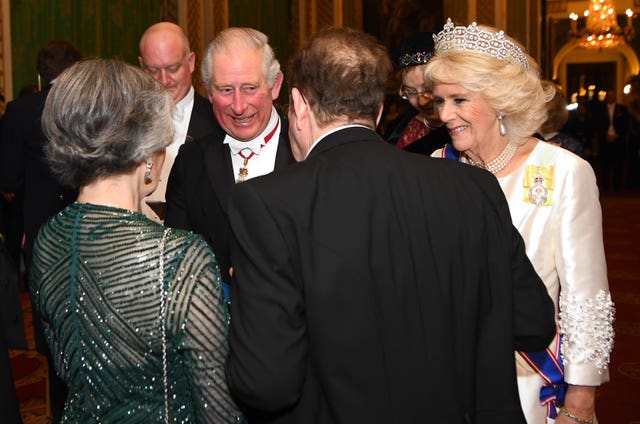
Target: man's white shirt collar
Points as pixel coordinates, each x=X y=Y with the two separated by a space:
x=182 y=106
x=323 y=136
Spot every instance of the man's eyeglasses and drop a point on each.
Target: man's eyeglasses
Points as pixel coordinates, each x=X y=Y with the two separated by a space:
x=411 y=94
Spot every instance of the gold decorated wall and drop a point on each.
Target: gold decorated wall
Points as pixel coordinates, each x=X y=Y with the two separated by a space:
x=111 y=28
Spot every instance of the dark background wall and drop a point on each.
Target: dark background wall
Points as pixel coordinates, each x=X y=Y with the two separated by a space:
x=105 y=28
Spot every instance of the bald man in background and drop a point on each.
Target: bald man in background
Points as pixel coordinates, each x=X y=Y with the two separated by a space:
x=165 y=54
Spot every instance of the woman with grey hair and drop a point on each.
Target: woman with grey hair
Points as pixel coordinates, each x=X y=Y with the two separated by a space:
x=489 y=95
x=133 y=311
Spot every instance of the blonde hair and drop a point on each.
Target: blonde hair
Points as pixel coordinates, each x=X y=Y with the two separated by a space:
x=509 y=88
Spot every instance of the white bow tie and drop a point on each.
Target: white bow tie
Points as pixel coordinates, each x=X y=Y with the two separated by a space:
x=178 y=114
x=253 y=145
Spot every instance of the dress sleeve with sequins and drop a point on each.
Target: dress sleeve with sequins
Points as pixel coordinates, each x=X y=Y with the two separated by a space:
x=198 y=316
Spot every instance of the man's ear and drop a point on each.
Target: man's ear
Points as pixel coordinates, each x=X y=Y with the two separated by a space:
x=379 y=114
x=191 y=59
x=275 y=90
x=299 y=106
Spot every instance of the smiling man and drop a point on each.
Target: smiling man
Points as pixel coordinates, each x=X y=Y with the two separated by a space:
x=243 y=78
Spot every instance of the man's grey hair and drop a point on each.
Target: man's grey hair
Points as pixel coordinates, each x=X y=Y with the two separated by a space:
x=235 y=38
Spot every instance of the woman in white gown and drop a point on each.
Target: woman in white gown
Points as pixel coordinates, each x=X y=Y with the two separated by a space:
x=489 y=94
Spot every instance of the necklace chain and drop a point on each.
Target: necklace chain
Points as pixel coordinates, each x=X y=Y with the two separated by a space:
x=501 y=161
x=163 y=310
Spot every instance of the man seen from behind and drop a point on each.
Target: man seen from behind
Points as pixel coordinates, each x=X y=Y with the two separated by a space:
x=374 y=285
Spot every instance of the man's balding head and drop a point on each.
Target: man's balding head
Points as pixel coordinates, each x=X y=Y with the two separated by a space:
x=165 y=54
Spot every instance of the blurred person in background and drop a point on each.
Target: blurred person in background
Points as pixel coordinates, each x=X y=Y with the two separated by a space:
x=557 y=116
x=418 y=130
x=25 y=173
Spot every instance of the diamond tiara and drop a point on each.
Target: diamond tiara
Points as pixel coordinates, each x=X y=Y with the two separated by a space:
x=411 y=59
x=475 y=39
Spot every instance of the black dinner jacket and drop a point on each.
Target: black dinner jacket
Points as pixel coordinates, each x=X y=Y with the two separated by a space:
x=23 y=166
x=436 y=139
x=621 y=121
x=202 y=121
x=199 y=185
x=374 y=285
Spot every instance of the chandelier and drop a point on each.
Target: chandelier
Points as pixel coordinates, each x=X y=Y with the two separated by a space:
x=601 y=28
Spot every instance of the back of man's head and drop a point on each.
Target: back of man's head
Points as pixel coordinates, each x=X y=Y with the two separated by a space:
x=342 y=73
x=55 y=57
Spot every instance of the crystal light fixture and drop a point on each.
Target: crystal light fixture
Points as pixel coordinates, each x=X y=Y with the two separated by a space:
x=601 y=28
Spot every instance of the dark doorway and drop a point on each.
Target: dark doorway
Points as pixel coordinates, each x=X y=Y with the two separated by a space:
x=588 y=79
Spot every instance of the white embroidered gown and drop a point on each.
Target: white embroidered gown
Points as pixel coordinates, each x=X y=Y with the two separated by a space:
x=563 y=237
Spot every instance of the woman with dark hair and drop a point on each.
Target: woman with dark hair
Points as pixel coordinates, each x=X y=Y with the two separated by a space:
x=132 y=311
x=418 y=130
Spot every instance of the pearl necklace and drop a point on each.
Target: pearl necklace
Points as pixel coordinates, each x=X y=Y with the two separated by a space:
x=500 y=162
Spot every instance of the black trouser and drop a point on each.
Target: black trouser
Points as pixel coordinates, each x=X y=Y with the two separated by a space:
x=612 y=160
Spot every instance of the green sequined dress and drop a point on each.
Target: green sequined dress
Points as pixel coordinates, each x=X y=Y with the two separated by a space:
x=95 y=280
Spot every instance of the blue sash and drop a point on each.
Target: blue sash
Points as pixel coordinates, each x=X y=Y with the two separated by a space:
x=549 y=366
x=226 y=292
x=450 y=152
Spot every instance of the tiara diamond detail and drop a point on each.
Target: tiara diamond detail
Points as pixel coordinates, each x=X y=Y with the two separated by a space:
x=419 y=58
x=472 y=38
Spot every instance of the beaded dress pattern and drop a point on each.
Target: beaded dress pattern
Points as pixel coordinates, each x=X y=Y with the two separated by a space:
x=96 y=283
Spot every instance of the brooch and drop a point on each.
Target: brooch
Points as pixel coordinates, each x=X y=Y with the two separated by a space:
x=538 y=184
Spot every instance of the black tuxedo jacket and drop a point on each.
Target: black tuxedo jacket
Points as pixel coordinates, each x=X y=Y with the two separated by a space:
x=621 y=122
x=23 y=166
x=202 y=121
x=198 y=190
x=377 y=286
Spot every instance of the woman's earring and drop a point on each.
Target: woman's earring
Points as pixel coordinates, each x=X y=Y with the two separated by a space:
x=147 y=174
x=503 y=129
